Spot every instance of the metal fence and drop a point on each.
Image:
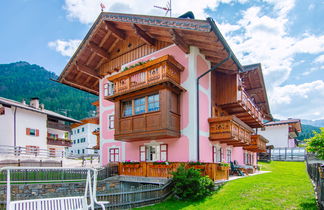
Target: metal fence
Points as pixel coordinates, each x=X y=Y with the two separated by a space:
x=288 y=154
x=315 y=169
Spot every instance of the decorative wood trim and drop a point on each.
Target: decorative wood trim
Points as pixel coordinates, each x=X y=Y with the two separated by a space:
x=178 y=40
x=117 y=32
x=145 y=36
x=73 y=84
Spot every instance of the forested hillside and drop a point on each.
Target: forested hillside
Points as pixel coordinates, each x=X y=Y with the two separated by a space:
x=22 y=80
x=307 y=132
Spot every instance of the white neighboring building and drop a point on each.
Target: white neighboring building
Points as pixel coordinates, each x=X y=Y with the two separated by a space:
x=32 y=127
x=282 y=133
x=83 y=139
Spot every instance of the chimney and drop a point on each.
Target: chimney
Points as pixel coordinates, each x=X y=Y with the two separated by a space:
x=23 y=102
x=34 y=102
x=42 y=106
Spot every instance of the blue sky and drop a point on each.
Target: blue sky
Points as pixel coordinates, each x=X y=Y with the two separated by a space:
x=285 y=36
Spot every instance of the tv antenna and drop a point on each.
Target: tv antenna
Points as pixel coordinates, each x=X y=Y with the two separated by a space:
x=167 y=8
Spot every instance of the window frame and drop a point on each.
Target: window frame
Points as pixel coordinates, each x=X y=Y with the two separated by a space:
x=113 y=153
x=111 y=121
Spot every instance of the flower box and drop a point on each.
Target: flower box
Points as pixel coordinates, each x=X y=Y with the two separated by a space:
x=223 y=168
x=131 y=165
x=198 y=166
x=160 y=166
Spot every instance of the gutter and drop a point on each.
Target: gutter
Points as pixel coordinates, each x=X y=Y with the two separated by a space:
x=230 y=56
x=15 y=133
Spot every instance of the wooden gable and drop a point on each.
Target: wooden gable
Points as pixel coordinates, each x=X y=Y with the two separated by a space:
x=116 y=39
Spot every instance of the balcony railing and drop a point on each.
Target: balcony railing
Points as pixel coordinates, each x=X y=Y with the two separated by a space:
x=160 y=70
x=258 y=144
x=229 y=130
x=59 y=126
x=59 y=142
x=250 y=106
x=293 y=133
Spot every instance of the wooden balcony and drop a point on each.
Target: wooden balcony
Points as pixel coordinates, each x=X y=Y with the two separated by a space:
x=245 y=109
x=293 y=133
x=59 y=142
x=258 y=144
x=154 y=72
x=58 y=126
x=229 y=130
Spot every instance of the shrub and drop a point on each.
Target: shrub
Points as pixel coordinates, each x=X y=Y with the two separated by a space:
x=316 y=144
x=190 y=185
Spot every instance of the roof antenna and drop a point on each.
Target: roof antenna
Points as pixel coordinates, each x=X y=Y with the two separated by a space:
x=168 y=8
x=102 y=6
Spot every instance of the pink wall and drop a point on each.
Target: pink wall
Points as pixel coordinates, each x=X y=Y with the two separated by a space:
x=104 y=150
x=238 y=155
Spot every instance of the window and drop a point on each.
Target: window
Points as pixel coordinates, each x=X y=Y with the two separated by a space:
x=82 y=151
x=263 y=129
x=218 y=153
x=82 y=129
x=78 y=141
x=78 y=130
x=153 y=102
x=32 y=132
x=154 y=152
x=111 y=119
x=114 y=155
x=108 y=89
x=74 y=142
x=228 y=155
x=127 y=108
x=139 y=105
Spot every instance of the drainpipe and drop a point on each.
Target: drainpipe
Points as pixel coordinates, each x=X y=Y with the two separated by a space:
x=15 y=138
x=230 y=55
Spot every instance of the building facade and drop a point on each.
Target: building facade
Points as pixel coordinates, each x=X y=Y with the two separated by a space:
x=283 y=133
x=83 y=139
x=169 y=89
x=33 y=128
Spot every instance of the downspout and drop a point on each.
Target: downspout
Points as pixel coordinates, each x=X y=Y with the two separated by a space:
x=230 y=55
x=15 y=138
x=197 y=92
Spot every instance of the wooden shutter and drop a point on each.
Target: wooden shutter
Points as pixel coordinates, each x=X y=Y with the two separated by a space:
x=37 y=132
x=28 y=131
x=142 y=153
x=163 y=152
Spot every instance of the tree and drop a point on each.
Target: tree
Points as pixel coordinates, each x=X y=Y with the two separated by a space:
x=316 y=144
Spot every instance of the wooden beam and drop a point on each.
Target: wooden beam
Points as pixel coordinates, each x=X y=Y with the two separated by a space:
x=255 y=90
x=146 y=37
x=87 y=70
x=98 y=50
x=73 y=84
x=212 y=53
x=178 y=40
x=117 y=32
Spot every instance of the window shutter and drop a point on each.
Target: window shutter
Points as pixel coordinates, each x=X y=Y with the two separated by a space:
x=163 y=152
x=37 y=132
x=214 y=154
x=28 y=131
x=142 y=153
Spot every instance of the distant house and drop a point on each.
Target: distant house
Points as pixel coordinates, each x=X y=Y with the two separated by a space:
x=83 y=139
x=32 y=127
x=282 y=133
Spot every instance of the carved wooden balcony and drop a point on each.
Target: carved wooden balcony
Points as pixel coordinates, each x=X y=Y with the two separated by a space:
x=154 y=72
x=258 y=144
x=59 y=126
x=59 y=142
x=229 y=130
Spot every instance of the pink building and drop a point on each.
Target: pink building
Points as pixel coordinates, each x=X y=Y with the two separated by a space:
x=170 y=89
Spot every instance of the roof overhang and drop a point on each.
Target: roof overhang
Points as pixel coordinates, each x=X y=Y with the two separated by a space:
x=115 y=35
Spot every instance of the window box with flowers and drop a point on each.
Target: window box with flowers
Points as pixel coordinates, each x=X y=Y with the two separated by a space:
x=223 y=166
x=161 y=164
x=130 y=164
x=197 y=165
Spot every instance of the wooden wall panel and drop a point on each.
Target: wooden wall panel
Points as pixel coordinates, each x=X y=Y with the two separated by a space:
x=227 y=88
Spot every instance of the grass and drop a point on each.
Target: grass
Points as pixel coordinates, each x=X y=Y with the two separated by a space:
x=286 y=187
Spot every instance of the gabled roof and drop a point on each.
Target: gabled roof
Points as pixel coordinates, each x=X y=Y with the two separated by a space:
x=254 y=85
x=295 y=122
x=92 y=120
x=116 y=39
x=9 y=103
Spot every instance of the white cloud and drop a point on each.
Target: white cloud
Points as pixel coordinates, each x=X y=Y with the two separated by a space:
x=319 y=59
x=66 y=48
x=302 y=101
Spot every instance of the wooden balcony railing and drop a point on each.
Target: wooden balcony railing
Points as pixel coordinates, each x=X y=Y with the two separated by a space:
x=293 y=133
x=149 y=169
x=160 y=70
x=251 y=106
x=229 y=130
x=258 y=144
x=59 y=142
x=59 y=126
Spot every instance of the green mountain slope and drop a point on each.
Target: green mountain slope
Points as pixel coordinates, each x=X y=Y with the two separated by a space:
x=22 y=80
x=307 y=132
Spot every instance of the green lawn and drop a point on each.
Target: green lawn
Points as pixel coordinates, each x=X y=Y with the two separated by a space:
x=286 y=187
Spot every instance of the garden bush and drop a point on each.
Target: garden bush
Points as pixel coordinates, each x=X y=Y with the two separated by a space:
x=316 y=144
x=190 y=185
